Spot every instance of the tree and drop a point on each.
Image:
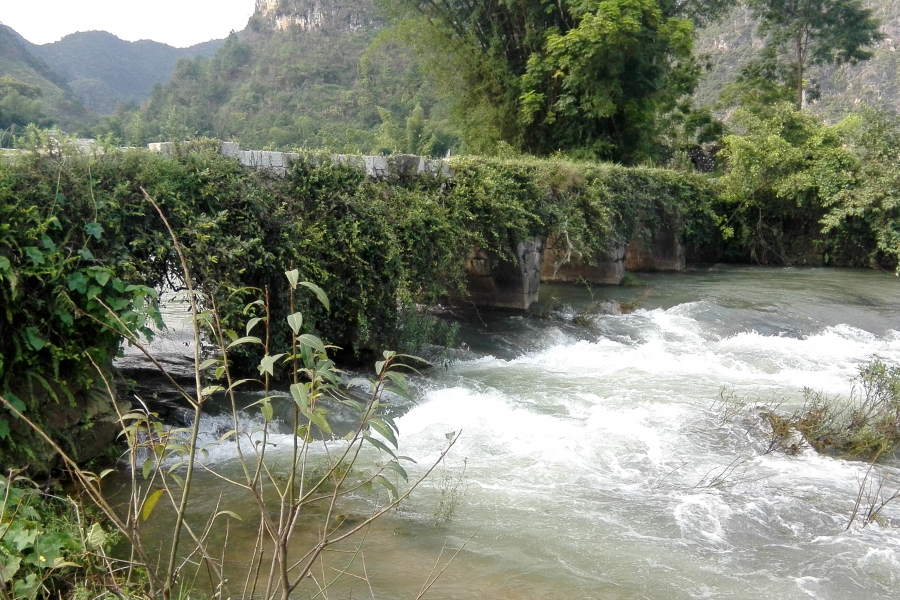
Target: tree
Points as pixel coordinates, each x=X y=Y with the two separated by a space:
x=583 y=76
x=810 y=32
x=20 y=105
x=783 y=171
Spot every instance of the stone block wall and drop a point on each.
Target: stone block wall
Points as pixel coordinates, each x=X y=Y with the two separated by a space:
x=493 y=281
x=605 y=269
x=655 y=251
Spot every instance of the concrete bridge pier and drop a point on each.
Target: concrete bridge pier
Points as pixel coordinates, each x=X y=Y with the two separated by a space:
x=563 y=265
x=655 y=251
x=495 y=282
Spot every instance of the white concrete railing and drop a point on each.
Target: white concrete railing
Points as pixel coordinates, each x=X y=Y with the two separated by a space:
x=279 y=163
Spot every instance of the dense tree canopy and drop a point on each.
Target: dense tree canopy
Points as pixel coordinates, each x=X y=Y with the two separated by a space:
x=20 y=104
x=590 y=76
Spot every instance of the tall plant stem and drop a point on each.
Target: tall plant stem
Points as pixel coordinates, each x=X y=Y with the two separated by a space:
x=195 y=430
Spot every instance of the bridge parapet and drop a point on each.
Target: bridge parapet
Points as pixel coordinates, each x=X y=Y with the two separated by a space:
x=280 y=163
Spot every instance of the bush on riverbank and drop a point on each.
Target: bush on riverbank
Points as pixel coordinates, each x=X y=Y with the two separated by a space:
x=798 y=191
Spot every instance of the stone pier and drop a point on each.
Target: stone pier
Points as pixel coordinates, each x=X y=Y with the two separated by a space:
x=563 y=265
x=493 y=281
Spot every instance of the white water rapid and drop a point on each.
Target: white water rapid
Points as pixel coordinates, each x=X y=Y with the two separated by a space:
x=594 y=462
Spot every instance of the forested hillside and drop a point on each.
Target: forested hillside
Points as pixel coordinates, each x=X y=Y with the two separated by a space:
x=104 y=70
x=301 y=74
x=731 y=42
x=31 y=91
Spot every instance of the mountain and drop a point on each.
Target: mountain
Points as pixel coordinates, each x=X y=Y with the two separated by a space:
x=731 y=42
x=104 y=70
x=57 y=99
x=304 y=73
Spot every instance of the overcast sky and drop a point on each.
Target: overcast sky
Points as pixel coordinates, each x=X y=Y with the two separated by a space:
x=175 y=22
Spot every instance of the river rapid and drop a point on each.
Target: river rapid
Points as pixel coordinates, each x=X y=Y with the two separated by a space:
x=594 y=461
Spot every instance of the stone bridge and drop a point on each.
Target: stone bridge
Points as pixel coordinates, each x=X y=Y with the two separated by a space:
x=495 y=281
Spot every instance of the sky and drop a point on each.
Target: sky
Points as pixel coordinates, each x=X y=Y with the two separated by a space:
x=178 y=23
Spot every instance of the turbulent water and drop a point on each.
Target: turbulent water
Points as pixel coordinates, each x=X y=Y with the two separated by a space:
x=595 y=462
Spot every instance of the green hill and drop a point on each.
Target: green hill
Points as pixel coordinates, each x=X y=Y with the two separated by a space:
x=104 y=70
x=303 y=74
x=56 y=98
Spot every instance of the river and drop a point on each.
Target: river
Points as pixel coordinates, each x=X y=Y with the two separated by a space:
x=595 y=462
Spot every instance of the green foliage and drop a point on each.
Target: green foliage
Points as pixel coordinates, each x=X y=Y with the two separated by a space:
x=783 y=171
x=19 y=63
x=43 y=544
x=865 y=219
x=20 y=105
x=796 y=187
x=103 y=70
x=67 y=284
x=327 y=87
x=582 y=76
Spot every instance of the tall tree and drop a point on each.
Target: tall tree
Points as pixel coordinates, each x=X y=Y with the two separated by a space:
x=588 y=76
x=811 y=32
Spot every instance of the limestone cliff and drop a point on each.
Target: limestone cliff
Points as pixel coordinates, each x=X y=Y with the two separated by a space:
x=318 y=15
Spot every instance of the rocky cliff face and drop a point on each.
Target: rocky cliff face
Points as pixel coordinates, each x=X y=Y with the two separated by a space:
x=318 y=15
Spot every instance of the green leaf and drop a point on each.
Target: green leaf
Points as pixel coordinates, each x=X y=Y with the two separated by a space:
x=311 y=341
x=150 y=504
x=318 y=418
x=301 y=395
x=34 y=340
x=382 y=428
x=102 y=276
x=398 y=378
x=86 y=254
x=210 y=390
x=148 y=466
x=77 y=282
x=380 y=445
x=4 y=429
x=237 y=383
x=94 y=229
x=396 y=468
x=389 y=487
x=267 y=364
x=320 y=294
x=10 y=566
x=37 y=258
x=230 y=513
x=252 y=323
x=245 y=340
x=379 y=367
x=293 y=277
x=48 y=243
x=209 y=362
x=5 y=265
x=96 y=537
x=65 y=317
x=15 y=403
x=296 y=322
x=267 y=411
